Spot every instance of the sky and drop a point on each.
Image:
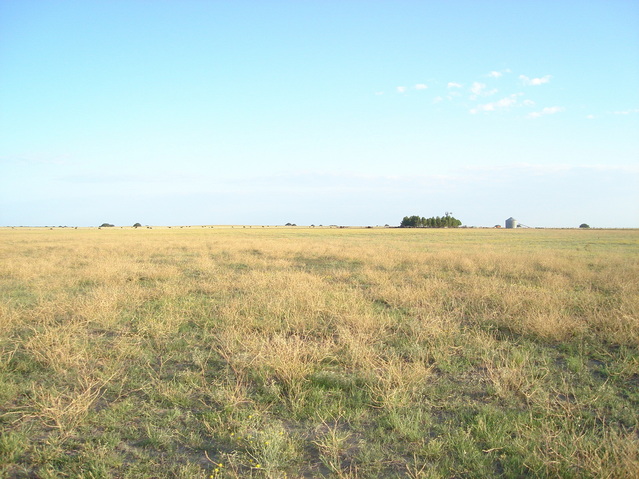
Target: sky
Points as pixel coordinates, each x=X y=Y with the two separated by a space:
x=346 y=112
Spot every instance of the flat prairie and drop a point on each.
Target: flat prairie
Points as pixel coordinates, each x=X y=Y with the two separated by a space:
x=203 y=352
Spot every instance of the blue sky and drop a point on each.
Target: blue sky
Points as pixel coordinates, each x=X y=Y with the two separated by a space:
x=319 y=112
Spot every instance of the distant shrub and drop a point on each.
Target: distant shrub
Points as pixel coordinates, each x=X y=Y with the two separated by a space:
x=106 y=225
x=137 y=225
x=584 y=225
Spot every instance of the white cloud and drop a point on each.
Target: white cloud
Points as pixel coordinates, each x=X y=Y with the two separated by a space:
x=477 y=88
x=590 y=117
x=356 y=181
x=401 y=89
x=543 y=169
x=534 y=81
x=57 y=160
x=528 y=103
x=486 y=107
x=379 y=93
x=506 y=102
x=498 y=73
x=454 y=85
x=626 y=112
x=421 y=86
x=438 y=99
x=549 y=110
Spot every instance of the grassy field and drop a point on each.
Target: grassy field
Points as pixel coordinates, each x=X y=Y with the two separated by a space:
x=290 y=352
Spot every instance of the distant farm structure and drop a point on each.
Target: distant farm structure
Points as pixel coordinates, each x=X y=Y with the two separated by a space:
x=512 y=223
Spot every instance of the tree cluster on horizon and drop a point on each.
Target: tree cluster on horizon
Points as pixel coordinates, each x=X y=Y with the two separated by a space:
x=446 y=221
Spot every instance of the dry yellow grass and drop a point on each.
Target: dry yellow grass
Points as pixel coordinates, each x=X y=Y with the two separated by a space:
x=329 y=336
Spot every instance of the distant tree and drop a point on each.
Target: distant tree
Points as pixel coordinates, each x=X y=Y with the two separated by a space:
x=411 y=222
x=106 y=225
x=137 y=225
x=584 y=225
x=446 y=221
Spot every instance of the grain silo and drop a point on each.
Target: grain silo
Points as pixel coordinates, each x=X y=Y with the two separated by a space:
x=511 y=223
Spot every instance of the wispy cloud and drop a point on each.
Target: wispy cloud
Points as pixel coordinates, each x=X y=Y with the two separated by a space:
x=548 y=169
x=626 y=112
x=630 y=111
x=452 y=179
x=549 y=110
x=534 y=81
x=57 y=160
x=477 y=88
x=498 y=73
x=481 y=91
x=506 y=102
x=80 y=178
